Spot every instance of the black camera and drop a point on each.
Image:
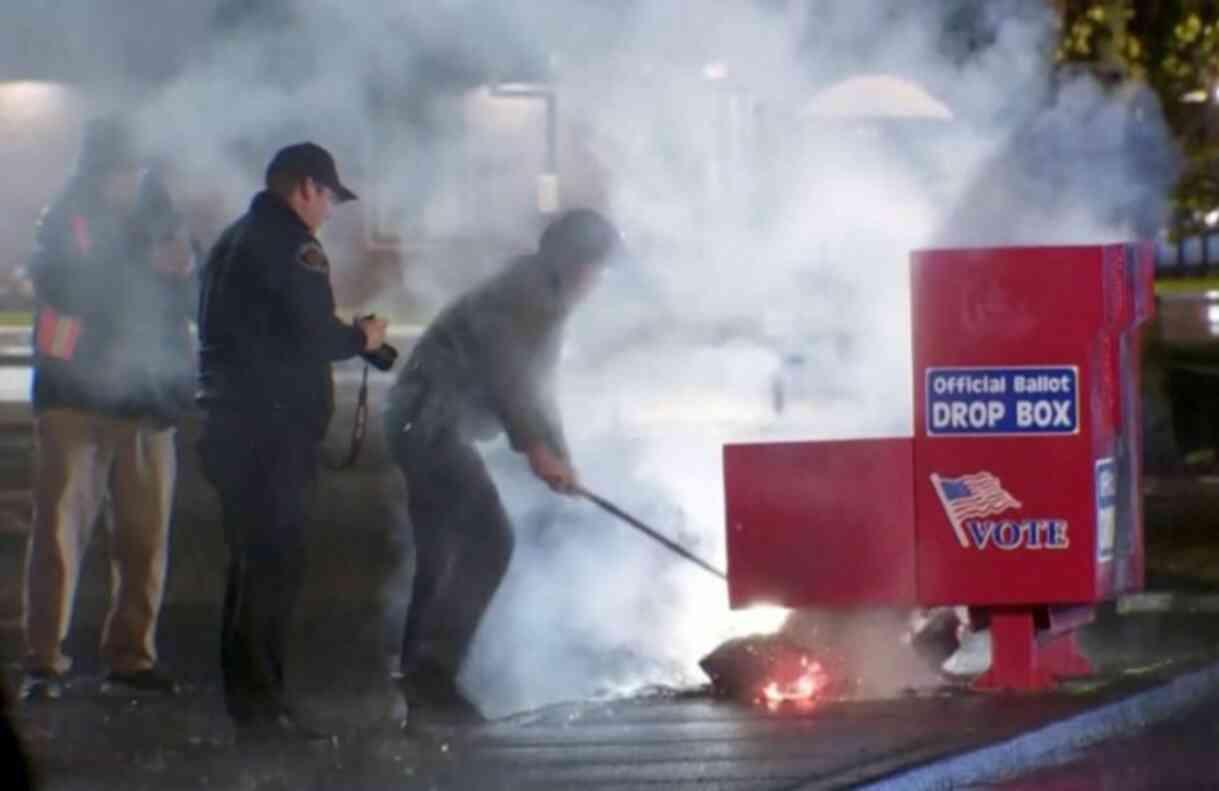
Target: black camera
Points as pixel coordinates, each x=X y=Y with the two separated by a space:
x=383 y=357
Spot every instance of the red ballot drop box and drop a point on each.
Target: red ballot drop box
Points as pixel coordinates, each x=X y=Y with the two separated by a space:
x=1018 y=494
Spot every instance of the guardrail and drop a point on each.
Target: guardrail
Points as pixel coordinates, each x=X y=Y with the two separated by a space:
x=1191 y=256
x=15 y=348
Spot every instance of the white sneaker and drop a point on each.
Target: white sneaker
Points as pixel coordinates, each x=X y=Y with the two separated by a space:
x=973 y=657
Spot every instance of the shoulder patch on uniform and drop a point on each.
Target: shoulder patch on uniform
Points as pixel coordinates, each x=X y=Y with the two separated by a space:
x=312 y=257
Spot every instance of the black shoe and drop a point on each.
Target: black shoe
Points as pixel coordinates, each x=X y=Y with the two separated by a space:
x=438 y=699
x=152 y=680
x=284 y=728
x=454 y=712
x=41 y=685
x=432 y=685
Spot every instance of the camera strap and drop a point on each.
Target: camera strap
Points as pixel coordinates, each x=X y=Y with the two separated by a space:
x=359 y=427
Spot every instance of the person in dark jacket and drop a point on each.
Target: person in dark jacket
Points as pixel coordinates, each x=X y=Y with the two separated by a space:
x=109 y=328
x=485 y=365
x=268 y=334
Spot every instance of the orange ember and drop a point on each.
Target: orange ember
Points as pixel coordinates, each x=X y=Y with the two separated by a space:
x=772 y=671
x=811 y=679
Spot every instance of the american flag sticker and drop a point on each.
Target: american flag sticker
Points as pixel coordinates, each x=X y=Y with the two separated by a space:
x=971 y=497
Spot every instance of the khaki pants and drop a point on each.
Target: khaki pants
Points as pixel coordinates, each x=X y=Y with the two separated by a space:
x=80 y=458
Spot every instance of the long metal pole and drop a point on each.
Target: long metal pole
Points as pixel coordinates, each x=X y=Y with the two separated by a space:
x=671 y=545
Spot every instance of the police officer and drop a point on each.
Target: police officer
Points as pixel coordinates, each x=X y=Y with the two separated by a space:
x=485 y=365
x=268 y=335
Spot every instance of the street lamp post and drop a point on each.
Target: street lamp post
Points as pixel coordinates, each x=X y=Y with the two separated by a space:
x=548 y=180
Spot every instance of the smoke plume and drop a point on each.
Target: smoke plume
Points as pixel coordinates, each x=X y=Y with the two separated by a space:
x=771 y=164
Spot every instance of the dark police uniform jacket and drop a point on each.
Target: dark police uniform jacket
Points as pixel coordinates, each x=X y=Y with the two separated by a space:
x=487 y=364
x=267 y=326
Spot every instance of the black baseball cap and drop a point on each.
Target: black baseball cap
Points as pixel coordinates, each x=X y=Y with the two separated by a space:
x=309 y=160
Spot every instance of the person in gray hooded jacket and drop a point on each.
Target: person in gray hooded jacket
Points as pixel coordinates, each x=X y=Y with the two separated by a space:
x=485 y=365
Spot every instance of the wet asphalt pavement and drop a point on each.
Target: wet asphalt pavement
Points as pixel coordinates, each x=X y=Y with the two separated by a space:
x=666 y=739
x=1182 y=753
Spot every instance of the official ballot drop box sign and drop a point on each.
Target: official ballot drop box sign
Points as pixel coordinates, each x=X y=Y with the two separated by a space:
x=1020 y=484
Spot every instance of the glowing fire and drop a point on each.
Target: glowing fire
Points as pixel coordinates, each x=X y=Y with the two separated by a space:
x=812 y=679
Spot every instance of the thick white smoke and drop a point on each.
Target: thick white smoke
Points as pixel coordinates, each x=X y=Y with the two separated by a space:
x=773 y=234
x=771 y=216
